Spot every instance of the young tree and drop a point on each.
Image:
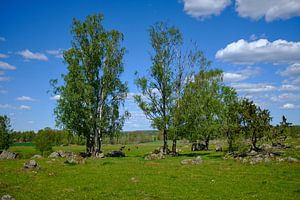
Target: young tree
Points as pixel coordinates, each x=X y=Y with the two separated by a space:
x=93 y=91
x=202 y=103
x=157 y=98
x=255 y=121
x=45 y=140
x=5 y=131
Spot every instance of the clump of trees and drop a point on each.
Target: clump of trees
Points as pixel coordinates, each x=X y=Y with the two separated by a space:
x=5 y=132
x=92 y=93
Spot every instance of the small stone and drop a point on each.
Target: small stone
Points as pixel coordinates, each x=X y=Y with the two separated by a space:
x=37 y=157
x=54 y=155
x=196 y=161
x=7 y=197
x=75 y=159
x=32 y=164
x=290 y=159
x=8 y=155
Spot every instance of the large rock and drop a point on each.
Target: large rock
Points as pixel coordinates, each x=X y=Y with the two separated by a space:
x=75 y=159
x=54 y=155
x=8 y=155
x=65 y=154
x=196 y=161
x=7 y=197
x=31 y=164
x=37 y=157
x=116 y=154
x=218 y=148
x=155 y=156
x=266 y=146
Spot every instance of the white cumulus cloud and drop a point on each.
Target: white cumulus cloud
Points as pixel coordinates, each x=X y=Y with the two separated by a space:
x=25 y=98
x=240 y=75
x=4 y=65
x=3 y=55
x=204 y=8
x=4 y=79
x=288 y=87
x=268 y=9
x=289 y=106
x=292 y=72
x=253 y=87
x=58 y=53
x=33 y=56
x=56 y=97
x=24 y=107
x=260 y=51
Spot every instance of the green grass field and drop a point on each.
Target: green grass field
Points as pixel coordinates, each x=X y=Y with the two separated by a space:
x=133 y=177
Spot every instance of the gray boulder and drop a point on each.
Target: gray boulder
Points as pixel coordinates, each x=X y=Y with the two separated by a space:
x=31 y=164
x=196 y=161
x=37 y=157
x=218 y=148
x=155 y=156
x=54 y=155
x=75 y=159
x=8 y=155
x=7 y=197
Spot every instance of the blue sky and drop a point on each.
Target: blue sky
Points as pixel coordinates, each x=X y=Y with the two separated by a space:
x=255 y=42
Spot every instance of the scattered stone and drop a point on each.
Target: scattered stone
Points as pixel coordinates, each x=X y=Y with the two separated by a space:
x=196 y=161
x=65 y=154
x=252 y=153
x=85 y=154
x=75 y=159
x=54 y=155
x=8 y=155
x=116 y=154
x=7 y=197
x=277 y=153
x=290 y=159
x=37 y=157
x=297 y=147
x=266 y=146
x=198 y=147
x=32 y=164
x=155 y=156
x=218 y=148
x=100 y=155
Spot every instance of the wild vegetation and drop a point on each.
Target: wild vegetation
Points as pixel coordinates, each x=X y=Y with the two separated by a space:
x=189 y=106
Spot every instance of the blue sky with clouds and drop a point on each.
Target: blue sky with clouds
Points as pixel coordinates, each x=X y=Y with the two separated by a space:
x=255 y=42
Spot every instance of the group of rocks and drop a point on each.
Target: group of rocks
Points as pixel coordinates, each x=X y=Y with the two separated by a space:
x=266 y=154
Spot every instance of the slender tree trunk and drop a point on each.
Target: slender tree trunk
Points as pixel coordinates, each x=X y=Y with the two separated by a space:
x=165 y=147
x=174 y=147
x=207 y=142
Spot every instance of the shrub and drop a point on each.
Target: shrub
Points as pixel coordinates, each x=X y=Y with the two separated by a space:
x=44 y=140
x=5 y=131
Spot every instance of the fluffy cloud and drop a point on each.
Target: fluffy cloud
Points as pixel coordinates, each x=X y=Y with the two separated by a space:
x=293 y=73
x=58 y=53
x=24 y=107
x=289 y=106
x=253 y=87
x=269 y=9
x=204 y=8
x=4 y=65
x=260 y=51
x=4 y=79
x=286 y=97
x=25 y=98
x=3 y=55
x=56 y=97
x=289 y=87
x=241 y=74
x=5 y=106
x=33 y=56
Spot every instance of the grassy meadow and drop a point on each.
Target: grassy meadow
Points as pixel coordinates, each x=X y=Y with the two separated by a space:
x=132 y=177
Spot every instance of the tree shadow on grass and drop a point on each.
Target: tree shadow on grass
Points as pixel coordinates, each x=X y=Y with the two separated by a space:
x=195 y=154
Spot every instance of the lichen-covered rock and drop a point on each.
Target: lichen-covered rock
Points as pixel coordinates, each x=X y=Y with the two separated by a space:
x=155 y=156
x=31 y=164
x=37 y=157
x=75 y=159
x=196 y=161
x=7 y=197
x=54 y=155
x=8 y=155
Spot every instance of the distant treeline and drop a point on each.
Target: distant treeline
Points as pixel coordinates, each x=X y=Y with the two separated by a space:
x=61 y=137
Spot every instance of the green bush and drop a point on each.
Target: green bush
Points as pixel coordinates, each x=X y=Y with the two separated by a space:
x=5 y=132
x=44 y=140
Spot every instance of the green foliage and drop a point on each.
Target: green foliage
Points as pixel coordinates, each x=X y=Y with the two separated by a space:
x=93 y=91
x=157 y=99
x=45 y=140
x=5 y=132
x=202 y=102
x=25 y=136
x=255 y=122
